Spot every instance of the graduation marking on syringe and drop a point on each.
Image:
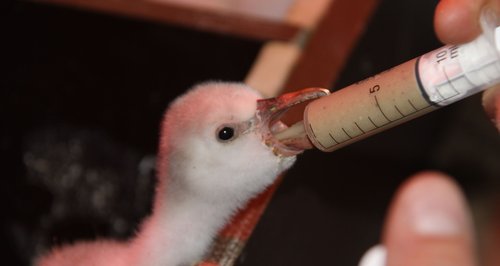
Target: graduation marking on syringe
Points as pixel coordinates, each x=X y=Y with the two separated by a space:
x=331 y=136
x=409 y=101
x=397 y=109
x=312 y=130
x=380 y=108
x=359 y=127
x=343 y=129
x=373 y=123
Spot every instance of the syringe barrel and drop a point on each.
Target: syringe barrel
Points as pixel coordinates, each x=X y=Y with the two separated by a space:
x=402 y=93
x=366 y=108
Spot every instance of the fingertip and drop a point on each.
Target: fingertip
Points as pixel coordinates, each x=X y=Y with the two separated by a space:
x=429 y=220
x=430 y=203
x=426 y=181
x=457 y=21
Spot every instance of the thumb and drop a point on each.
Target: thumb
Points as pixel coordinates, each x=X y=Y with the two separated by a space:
x=428 y=224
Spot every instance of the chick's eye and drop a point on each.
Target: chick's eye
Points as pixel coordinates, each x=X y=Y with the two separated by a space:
x=226 y=133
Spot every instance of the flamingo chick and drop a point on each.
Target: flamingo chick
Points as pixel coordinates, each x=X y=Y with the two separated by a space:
x=216 y=152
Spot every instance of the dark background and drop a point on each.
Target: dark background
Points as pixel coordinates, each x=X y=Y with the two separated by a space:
x=82 y=96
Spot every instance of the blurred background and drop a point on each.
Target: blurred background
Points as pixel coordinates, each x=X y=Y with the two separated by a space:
x=83 y=91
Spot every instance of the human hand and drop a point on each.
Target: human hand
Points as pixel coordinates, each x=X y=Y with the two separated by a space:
x=429 y=222
x=457 y=21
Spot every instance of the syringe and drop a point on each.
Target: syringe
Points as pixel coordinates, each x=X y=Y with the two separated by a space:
x=402 y=93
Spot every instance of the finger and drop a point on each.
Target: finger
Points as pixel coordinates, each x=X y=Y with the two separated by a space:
x=491 y=104
x=429 y=224
x=457 y=21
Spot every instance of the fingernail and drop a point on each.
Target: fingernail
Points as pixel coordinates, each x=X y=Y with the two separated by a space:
x=437 y=210
x=375 y=256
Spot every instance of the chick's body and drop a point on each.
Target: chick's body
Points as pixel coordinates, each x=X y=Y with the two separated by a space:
x=204 y=176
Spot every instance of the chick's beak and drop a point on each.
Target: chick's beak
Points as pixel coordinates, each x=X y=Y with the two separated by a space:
x=270 y=111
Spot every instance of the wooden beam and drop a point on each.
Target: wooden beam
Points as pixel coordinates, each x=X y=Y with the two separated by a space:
x=330 y=45
x=272 y=67
x=307 y=13
x=198 y=18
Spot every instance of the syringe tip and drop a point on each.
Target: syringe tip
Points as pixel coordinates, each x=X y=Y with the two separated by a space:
x=295 y=136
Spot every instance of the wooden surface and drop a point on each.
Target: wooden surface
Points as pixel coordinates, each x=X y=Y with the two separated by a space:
x=313 y=39
x=318 y=56
x=265 y=9
x=211 y=20
x=329 y=47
